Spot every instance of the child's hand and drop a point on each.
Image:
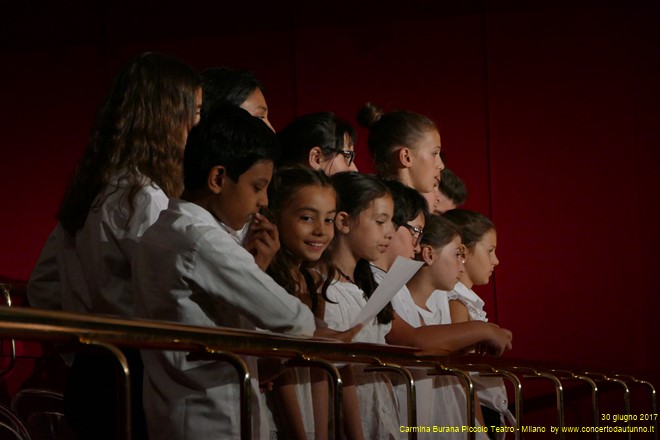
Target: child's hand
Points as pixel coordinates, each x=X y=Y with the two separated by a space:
x=498 y=343
x=345 y=336
x=262 y=241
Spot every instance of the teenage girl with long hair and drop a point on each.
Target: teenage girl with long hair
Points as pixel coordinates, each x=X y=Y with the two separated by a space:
x=132 y=166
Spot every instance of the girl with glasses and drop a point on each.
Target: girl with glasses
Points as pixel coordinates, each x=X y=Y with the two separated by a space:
x=409 y=217
x=320 y=141
x=441 y=399
x=421 y=313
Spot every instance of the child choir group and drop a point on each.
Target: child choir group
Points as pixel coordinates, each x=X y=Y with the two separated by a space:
x=188 y=207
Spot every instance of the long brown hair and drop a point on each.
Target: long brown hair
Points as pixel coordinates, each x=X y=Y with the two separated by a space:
x=286 y=183
x=139 y=135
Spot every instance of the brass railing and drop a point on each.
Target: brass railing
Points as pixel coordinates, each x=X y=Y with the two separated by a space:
x=79 y=331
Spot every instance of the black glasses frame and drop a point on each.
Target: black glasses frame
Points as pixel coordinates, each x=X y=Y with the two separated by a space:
x=415 y=232
x=349 y=155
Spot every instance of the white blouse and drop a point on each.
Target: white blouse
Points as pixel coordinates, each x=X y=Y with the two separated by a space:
x=490 y=389
x=440 y=399
x=376 y=398
x=472 y=301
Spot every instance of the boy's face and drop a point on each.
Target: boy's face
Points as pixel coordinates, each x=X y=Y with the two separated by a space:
x=238 y=201
x=444 y=204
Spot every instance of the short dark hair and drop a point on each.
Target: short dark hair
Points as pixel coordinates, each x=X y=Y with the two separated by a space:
x=408 y=203
x=223 y=85
x=228 y=136
x=453 y=187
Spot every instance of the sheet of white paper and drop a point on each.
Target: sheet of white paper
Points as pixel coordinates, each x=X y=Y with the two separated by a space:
x=399 y=274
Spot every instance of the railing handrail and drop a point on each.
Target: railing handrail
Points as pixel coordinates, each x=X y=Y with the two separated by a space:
x=56 y=326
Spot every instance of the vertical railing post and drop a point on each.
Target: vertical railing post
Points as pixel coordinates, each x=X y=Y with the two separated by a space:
x=530 y=373
x=468 y=386
x=569 y=375
x=123 y=412
x=244 y=379
x=336 y=383
x=6 y=295
x=411 y=398
x=654 y=404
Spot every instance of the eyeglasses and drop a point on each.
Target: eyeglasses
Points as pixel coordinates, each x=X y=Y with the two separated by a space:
x=349 y=155
x=415 y=232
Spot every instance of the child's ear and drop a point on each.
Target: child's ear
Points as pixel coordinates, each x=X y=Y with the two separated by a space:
x=405 y=157
x=216 y=178
x=427 y=255
x=315 y=156
x=341 y=222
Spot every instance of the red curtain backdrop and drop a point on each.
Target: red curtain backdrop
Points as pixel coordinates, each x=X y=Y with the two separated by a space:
x=547 y=109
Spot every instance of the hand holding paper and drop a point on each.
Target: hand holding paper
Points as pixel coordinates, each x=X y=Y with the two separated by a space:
x=399 y=274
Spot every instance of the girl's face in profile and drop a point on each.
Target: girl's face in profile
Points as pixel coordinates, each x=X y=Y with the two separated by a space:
x=447 y=264
x=480 y=260
x=339 y=161
x=370 y=232
x=256 y=105
x=306 y=224
x=426 y=162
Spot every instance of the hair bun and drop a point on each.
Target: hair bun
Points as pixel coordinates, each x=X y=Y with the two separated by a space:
x=369 y=114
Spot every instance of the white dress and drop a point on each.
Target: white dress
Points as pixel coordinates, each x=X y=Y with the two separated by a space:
x=440 y=399
x=378 y=406
x=191 y=270
x=305 y=402
x=490 y=389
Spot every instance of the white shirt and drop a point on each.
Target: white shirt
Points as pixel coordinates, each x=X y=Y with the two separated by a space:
x=190 y=270
x=440 y=399
x=490 y=389
x=378 y=406
x=472 y=301
x=91 y=273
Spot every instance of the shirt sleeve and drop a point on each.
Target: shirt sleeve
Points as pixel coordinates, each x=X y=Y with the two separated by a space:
x=150 y=202
x=227 y=272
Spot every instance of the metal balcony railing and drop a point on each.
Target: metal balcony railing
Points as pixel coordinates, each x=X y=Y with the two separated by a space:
x=82 y=331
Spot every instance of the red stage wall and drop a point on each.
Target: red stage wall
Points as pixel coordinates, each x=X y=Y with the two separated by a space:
x=547 y=109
